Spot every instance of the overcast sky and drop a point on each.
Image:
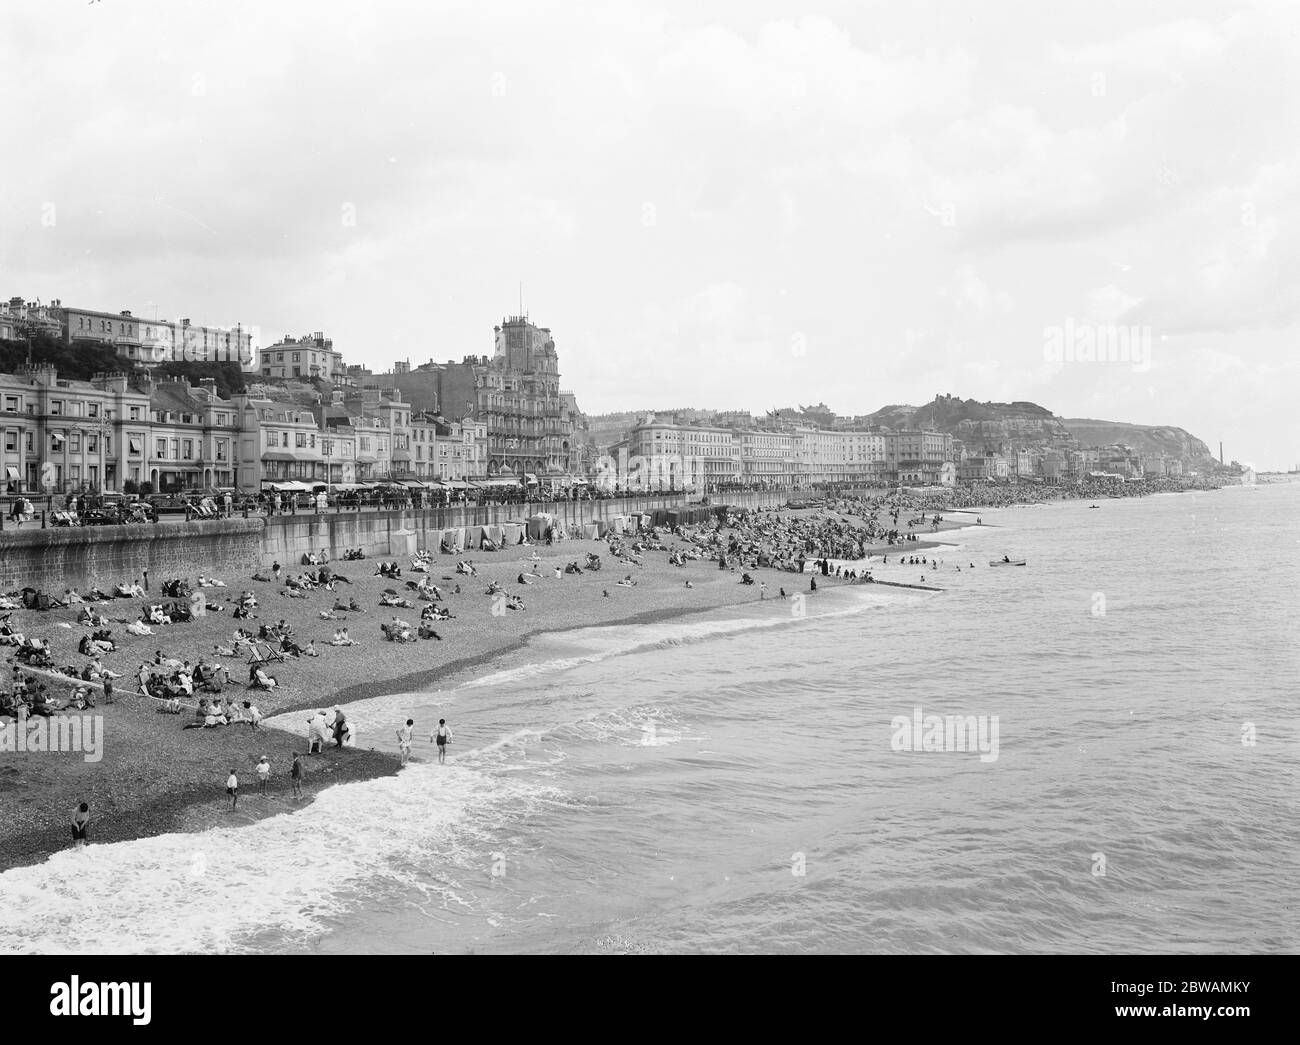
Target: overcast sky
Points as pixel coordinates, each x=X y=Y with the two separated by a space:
x=737 y=205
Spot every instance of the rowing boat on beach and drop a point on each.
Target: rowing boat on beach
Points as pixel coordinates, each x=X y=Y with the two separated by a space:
x=1006 y=562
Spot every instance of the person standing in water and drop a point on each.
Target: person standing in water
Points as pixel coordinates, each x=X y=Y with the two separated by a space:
x=441 y=736
x=404 y=740
x=80 y=824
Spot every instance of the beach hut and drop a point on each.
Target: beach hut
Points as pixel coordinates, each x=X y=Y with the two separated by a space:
x=591 y=531
x=511 y=532
x=538 y=525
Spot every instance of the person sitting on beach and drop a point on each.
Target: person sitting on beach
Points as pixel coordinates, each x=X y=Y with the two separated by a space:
x=251 y=715
x=426 y=631
x=259 y=679
x=396 y=630
x=139 y=627
x=157 y=616
x=98 y=671
x=128 y=591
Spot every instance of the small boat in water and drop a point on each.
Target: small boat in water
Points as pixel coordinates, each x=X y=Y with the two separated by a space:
x=1006 y=562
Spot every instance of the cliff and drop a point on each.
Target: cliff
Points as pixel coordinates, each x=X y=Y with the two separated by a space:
x=1165 y=439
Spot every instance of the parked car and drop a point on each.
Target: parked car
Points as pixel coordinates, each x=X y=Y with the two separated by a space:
x=101 y=517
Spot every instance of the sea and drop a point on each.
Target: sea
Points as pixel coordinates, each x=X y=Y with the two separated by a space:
x=753 y=779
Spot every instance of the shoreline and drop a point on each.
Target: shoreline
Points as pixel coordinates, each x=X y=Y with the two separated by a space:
x=157 y=778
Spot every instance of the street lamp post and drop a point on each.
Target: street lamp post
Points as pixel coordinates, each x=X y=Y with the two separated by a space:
x=105 y=426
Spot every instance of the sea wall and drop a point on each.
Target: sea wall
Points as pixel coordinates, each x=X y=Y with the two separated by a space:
x=78 y=557
x=398 y=533
x=57 y=558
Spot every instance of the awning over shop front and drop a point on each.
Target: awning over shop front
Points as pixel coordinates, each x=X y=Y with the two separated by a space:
x=530 y=477
x=292 y=486
x=12 y=473
x=275 y=456
x=135 y=446
x=414 y=484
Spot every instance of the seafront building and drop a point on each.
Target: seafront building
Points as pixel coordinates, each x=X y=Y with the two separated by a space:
x=499 y=420
x=307 y=358
x=531 y=423
x=68 y=435
x=149 y=342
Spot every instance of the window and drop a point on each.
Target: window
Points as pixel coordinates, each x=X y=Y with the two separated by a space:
x=135 y=413
x=11 y=404
x=272 y=438
x=221 y=449
x=160 y=446
x=76 y=443
x=223 y=419
x=297 y=357
x=31 y=443
x=187 y=450
x=175 y=448
x=279 y=357
x=56 y=406
x=57 y=441
x=135 y=445
x=301 y=440
x=11 y=442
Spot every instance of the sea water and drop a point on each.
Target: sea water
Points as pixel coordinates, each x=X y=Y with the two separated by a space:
x=732 y=781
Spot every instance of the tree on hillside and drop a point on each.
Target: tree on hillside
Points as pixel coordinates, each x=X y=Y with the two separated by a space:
x=229 y=378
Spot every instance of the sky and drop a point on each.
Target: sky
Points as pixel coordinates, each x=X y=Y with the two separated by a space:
x=736 y=205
